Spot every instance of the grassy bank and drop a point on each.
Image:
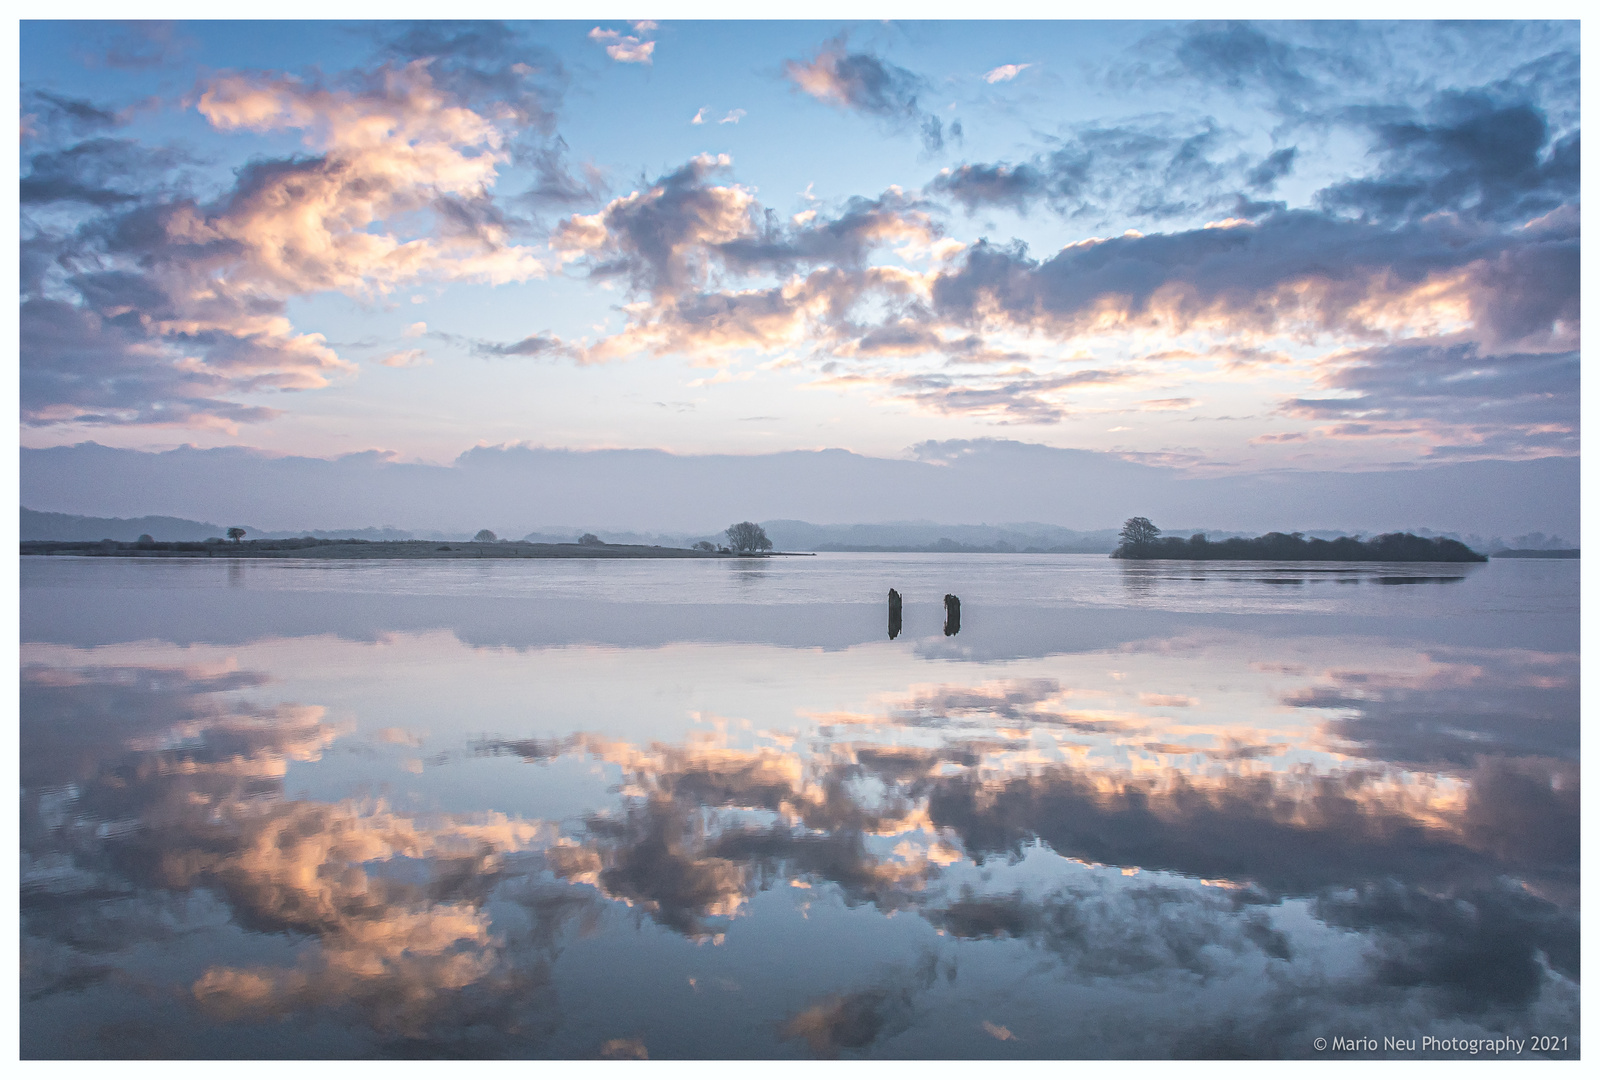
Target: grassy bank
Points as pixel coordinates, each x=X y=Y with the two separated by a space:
x=310 y=548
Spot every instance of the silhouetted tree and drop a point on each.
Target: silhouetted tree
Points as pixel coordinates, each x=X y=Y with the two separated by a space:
x=590 y=540
x=704 y=545
x=485 y=537
x=1294 y=547
x=145 y=540
x=236 y=534
x=748 y=536
x=1137 y=531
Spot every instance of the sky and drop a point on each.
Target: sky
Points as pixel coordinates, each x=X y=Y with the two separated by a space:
x=1228 y=247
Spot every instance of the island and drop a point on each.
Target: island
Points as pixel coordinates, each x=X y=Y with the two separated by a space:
x=1142 y=540
x=313 y=548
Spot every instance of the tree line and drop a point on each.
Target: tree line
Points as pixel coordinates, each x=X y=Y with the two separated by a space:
x=1142 y=540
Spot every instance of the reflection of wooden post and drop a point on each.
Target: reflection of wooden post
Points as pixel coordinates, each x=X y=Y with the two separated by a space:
x=952 y=614
x=894 y=614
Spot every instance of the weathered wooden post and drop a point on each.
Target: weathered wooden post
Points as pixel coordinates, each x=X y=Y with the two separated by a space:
x=894 y=614
x=952 y=614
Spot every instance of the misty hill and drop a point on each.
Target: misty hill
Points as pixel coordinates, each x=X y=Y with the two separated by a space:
x=928 y=536
x=787 y=535
x=36 y=525
x=515 y=490
x=41 y=525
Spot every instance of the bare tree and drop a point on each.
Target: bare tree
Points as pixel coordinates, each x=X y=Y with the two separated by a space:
x=236 y=534
x=1138 y=530
x=485 y=537
x=748 y=536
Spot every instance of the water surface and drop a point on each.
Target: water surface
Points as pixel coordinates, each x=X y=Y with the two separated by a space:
x=709 y=810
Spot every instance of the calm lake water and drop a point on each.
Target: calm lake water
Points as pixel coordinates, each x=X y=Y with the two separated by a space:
x=710 y=809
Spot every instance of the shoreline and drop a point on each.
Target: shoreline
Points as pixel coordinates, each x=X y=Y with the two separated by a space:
x=374 y=549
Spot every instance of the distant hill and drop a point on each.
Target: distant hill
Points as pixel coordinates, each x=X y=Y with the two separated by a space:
x=40 y=525
x=43 y=525
x=786 y=534
x=517 y=490
x=790 y=535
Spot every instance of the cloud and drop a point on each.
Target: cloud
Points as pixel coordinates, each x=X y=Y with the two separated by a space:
x=1466 y=153
x=851 y=1021
x=843 y=240
x=1004 y=73
x=406 y=953
x=46 y=113
x=626 y=49
x=1456 y=393
x=485 y=65
x=1489 y=152
x=1444 y=709
x=1272 y=168
x=1240 y=55
x=688 y=239
x=1478 y=951
x=1374 y=883
x=661 y=854
x=533 y=345
x=625 y=1049
x=999 y=184
x=699 y=117
x=80 y=367
x=144 y=44
x=660 y=237
x=555 y=183
x=864 y=83
x=1008 y=398
x=100 y=172
x=405 y=358
x=1290 y=271
x=113 y=704
x=186 y=304
x=733 y=117
x=683 y=847
x=1155 y=169
x=1320 y=74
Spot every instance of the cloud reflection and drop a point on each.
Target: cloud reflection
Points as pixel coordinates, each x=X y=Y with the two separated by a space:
x=388 y=910
x=1330 y=828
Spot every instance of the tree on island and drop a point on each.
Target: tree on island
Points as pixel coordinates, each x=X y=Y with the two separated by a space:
x=235 y=534
x=704 y=545
x=1137 y=531
x=1142 y=540
x=591 y=540
x=748 y=536
x=485 y=537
